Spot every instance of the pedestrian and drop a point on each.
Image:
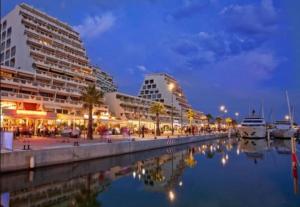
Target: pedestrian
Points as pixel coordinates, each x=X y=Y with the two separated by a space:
x=143 y=131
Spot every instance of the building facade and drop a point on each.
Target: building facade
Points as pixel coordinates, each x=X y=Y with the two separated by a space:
x=104 y=81
x=164 y=88
x=136 y=111
x=44 y=68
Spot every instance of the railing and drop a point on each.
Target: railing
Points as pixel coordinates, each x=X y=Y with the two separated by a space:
x=59 y=77
x=39 y=98
x=41 y=85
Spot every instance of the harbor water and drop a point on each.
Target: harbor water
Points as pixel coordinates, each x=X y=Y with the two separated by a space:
x=226 y=172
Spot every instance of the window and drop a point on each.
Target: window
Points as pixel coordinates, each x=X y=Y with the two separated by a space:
x=2 y=57
x=146 y=81
x=7 y=63
x=7 y=54
x=4 y=25
x=158 y=95
x=154 y=86
x=151 y=81
x=8 y=43
x=8 y=31
x=13 y=51
x=3 y=35
x=2 y=46
x=153 y=96
x=12 y=62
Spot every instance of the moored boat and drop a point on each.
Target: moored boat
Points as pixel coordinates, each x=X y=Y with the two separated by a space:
x=253 y=127
x=283 y=129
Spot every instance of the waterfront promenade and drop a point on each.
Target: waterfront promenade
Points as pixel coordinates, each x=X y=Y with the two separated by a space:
x=52 y=151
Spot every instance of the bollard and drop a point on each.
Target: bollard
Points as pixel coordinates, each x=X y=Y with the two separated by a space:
x=31 y=175
x=31 y=162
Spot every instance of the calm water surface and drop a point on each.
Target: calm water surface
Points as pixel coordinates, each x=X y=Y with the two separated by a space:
x=226 y=172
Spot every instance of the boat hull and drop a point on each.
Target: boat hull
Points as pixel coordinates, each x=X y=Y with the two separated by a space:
x=283 y=133
x=253 y=131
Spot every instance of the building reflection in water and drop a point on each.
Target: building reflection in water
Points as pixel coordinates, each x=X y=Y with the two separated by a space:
x=159 y=171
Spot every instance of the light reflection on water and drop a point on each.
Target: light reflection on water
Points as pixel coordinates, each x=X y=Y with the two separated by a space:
x=226 y=172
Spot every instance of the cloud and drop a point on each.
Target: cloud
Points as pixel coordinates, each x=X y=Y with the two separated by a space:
x=189 y=8
x=142 y=68
x=251 y=19
x=185 y=47
x=205 y=48
x=96 y=25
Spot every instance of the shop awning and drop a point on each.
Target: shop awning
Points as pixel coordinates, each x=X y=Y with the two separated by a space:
x=31 y=114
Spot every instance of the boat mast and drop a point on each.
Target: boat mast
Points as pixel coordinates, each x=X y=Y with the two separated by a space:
x=289 y=108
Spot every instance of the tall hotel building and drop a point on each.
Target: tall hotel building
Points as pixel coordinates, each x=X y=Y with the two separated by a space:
x=156 y=87
x=44 y=67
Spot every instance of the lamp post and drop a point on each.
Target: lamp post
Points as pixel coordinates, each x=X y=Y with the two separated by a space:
x=237 y=114
x=171 y=87
x=181 y=122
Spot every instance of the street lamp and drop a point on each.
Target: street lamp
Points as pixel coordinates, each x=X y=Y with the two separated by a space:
x=222 y=108
x=287 y=117
x=181 y=122
x=236 y=114
x=171 y=87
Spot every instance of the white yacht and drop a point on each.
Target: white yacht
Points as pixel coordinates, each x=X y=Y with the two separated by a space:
x=253 y=127
x=283 y=129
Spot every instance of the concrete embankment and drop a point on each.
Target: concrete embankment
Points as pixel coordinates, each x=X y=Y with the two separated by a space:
x=29 y=159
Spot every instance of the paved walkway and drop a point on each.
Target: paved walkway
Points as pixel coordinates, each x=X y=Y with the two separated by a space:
x=57 y=142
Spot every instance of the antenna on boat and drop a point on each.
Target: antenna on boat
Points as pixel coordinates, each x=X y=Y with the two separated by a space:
x=249 y=110
x=262 y=109
x=289 y=107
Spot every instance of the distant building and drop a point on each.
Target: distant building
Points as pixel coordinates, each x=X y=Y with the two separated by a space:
x=136 y=110
x=104 y=80
x=156 y=87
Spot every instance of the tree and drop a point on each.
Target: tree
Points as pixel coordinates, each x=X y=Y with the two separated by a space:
x=228 y=121
x=190 y=115
x=91 y=97
x=209 y=117
x=219 y=121
x=157 y=108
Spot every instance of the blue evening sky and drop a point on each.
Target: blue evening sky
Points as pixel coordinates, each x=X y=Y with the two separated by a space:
x=237 y=53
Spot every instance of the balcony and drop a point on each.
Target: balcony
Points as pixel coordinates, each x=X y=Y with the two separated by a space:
x=41 y=86
x=11 y=96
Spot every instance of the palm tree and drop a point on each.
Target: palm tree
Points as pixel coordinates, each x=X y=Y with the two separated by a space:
x=219 y=121
x=190 y=115
x=157 y=108
x=91 y=97
x=209 y=117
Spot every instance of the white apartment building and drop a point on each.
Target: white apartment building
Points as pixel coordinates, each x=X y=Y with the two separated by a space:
x=104 y=81
x=44 y=67
x=136 y=110
x=156 y=87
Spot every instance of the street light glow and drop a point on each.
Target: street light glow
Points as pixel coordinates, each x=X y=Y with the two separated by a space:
x=171 y=195
x=222 y=108
x=287 y=117
x=171 y=86
x=237 y=114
